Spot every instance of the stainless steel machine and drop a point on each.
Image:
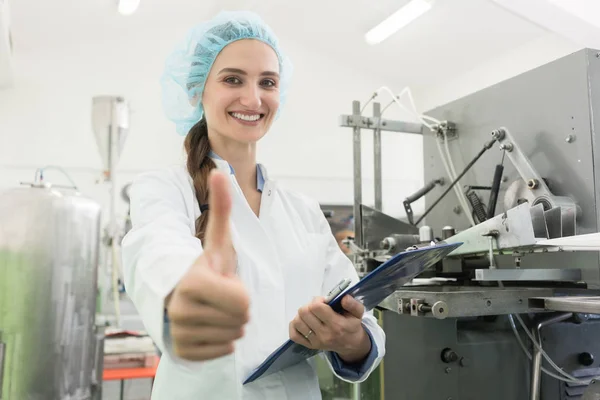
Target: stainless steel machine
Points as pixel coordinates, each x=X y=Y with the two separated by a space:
x=513 y=313
x=49 y=349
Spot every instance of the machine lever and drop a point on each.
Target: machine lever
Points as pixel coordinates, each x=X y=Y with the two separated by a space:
x=417 y=195
x=485 y=148
x=491 y=211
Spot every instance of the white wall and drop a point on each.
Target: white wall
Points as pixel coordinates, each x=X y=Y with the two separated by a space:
x=46 y=120
x=528 y=56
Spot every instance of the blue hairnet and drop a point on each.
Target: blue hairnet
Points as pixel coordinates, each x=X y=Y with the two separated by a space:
x=188 y=66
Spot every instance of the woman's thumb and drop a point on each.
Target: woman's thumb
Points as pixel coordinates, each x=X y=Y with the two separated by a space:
x=217 y=238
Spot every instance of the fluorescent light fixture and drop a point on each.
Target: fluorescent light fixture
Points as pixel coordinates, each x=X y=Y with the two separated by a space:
x=398 y=20
x=127 y=7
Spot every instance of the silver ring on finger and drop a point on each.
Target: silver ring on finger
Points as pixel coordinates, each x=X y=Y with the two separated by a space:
x=310 y=332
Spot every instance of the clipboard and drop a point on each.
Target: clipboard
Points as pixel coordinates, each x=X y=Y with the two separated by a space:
x=370 y=291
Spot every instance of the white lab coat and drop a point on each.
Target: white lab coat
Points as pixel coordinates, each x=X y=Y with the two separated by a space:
x=286 y=256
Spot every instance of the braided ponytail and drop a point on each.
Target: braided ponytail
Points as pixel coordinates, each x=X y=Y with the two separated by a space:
x=199 y=166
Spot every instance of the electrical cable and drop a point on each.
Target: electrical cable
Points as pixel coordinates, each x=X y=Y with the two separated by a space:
x=448 y=165
x=453 y=176
x=566 y=377
x=547 y=357
x=528 y=354
x=368 y=101
x=386 y=107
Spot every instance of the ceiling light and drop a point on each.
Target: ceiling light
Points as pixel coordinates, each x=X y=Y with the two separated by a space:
x=128 y=7
x=404 y=16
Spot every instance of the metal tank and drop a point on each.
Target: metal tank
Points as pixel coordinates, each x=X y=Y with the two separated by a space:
x=49 y=240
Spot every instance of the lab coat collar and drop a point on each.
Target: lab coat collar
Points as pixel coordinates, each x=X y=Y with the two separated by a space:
x=224 y=166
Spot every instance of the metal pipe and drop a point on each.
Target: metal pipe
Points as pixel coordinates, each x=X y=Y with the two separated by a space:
x=356 y=391
x=491 y=211
x=492 y=264
x=536 y=362
x=2 y=352
x=377 y=158
x=358 y=239
x=417 y=195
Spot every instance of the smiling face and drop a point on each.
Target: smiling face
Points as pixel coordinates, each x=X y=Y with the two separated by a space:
x=241 y=94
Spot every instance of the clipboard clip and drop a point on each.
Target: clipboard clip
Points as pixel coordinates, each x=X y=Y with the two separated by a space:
x=337 y=289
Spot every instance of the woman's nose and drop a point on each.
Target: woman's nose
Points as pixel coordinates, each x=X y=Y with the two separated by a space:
x=250 y=97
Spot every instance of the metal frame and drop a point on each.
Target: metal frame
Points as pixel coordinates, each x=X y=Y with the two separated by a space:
x=576 y=304
x=514 y=230
x=357 y=122
x=464 y=301
x=538 y=274
x=560 y=211
x=556 y=125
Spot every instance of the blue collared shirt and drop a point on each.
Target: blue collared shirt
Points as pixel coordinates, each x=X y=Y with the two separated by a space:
x=356 y=370
x=260 y=179
x=346 y=370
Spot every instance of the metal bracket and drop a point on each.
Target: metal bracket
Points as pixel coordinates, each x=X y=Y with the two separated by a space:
x=403 y=306
x=515 y=230
x=446 y=129
x=415 y=307
x=537 y=188
x=418 y=307
x=465 y=301
x=593 y=391
x=357 y=121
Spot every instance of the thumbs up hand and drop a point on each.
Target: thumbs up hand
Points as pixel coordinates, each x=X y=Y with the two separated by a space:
x=209 y=306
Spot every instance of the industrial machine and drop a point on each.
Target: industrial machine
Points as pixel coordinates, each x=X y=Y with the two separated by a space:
x=512 y=173
x=49 y=346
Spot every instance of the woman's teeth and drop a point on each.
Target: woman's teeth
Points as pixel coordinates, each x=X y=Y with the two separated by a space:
x=254 y=117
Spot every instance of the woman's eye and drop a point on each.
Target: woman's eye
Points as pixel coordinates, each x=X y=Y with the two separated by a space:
x=233 y=80
x=269 y=83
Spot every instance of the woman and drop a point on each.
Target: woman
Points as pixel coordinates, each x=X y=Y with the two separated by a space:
x=222 y=264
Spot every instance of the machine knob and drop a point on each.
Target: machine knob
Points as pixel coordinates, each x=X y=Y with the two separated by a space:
x=425 y=234
x=440 y=310
x=586 y=358
x=448 y=232
x=449 y=356
x=387 y=243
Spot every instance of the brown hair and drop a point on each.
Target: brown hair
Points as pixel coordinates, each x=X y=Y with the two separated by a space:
x=199 y=166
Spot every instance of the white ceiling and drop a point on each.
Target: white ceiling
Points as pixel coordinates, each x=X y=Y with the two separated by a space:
x=454 y=37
